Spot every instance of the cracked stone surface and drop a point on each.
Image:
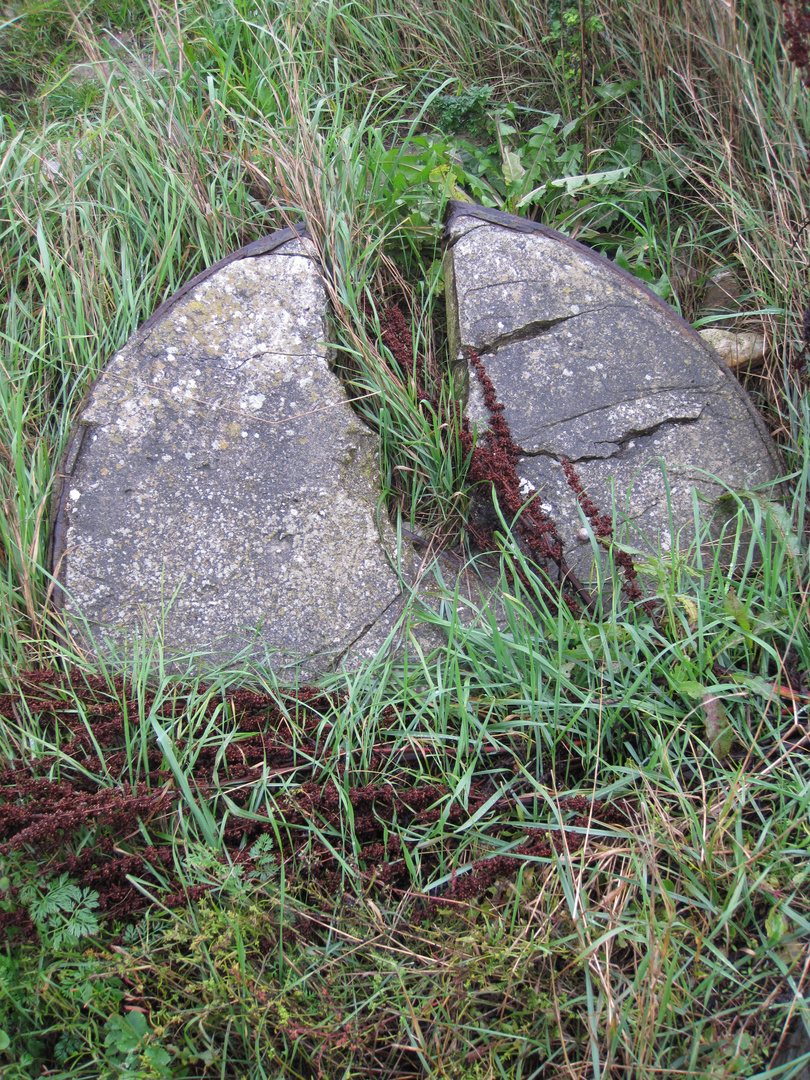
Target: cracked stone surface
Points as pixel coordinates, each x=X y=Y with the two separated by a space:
x=591 y=366
x=221 y=486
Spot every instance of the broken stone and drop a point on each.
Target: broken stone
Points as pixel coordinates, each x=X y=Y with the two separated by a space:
x=741 y=349
x=594 y=368
x=722 y=293
x=220 y=489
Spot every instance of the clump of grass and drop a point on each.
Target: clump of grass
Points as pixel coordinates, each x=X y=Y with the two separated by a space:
x=47 y=55
x=729 y=117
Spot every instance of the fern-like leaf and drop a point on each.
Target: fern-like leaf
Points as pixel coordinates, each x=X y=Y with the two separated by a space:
x=64 y=913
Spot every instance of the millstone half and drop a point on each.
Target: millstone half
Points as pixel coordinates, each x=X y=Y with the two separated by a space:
x=592 y=367
x=220 y=490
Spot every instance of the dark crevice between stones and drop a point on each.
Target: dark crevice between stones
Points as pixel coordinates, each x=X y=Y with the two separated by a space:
x=492 y=460
x=491 y=468
x=429 y=382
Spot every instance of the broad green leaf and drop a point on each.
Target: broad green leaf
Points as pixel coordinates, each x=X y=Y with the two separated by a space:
x=622 y=261
x=662 y=287
x=444 y=175
x=612 y=91
x=719 y=731
x=137 y=1021
x=734 y=606
x=585 y=181
x=757 y=685
x=776 y=926
x=512 y=168
x=157 y=1057
x=548 y=125
x=121 y=1035
x=694 y=690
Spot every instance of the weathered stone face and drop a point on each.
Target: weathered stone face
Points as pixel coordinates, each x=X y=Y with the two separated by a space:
x=592 y=367
x=222 y=492
x=224 y=489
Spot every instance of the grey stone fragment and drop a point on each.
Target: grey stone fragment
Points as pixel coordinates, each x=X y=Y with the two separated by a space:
x=592 y=367
x=224 y=492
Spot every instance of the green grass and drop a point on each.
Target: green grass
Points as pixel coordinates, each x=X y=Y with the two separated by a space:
x=665 y=937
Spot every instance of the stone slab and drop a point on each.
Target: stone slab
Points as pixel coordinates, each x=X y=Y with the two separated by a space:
x=221 y=490
x=593 y=367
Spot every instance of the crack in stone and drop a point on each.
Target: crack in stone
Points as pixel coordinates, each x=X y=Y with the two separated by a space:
x=504 y=283
x=619 y=443
x=526 y=332
x=676 y=421
x=538 y=327
x=634 y=400
x=362 y=633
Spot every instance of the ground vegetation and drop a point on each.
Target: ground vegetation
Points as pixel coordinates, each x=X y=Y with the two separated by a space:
x=573 y=841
